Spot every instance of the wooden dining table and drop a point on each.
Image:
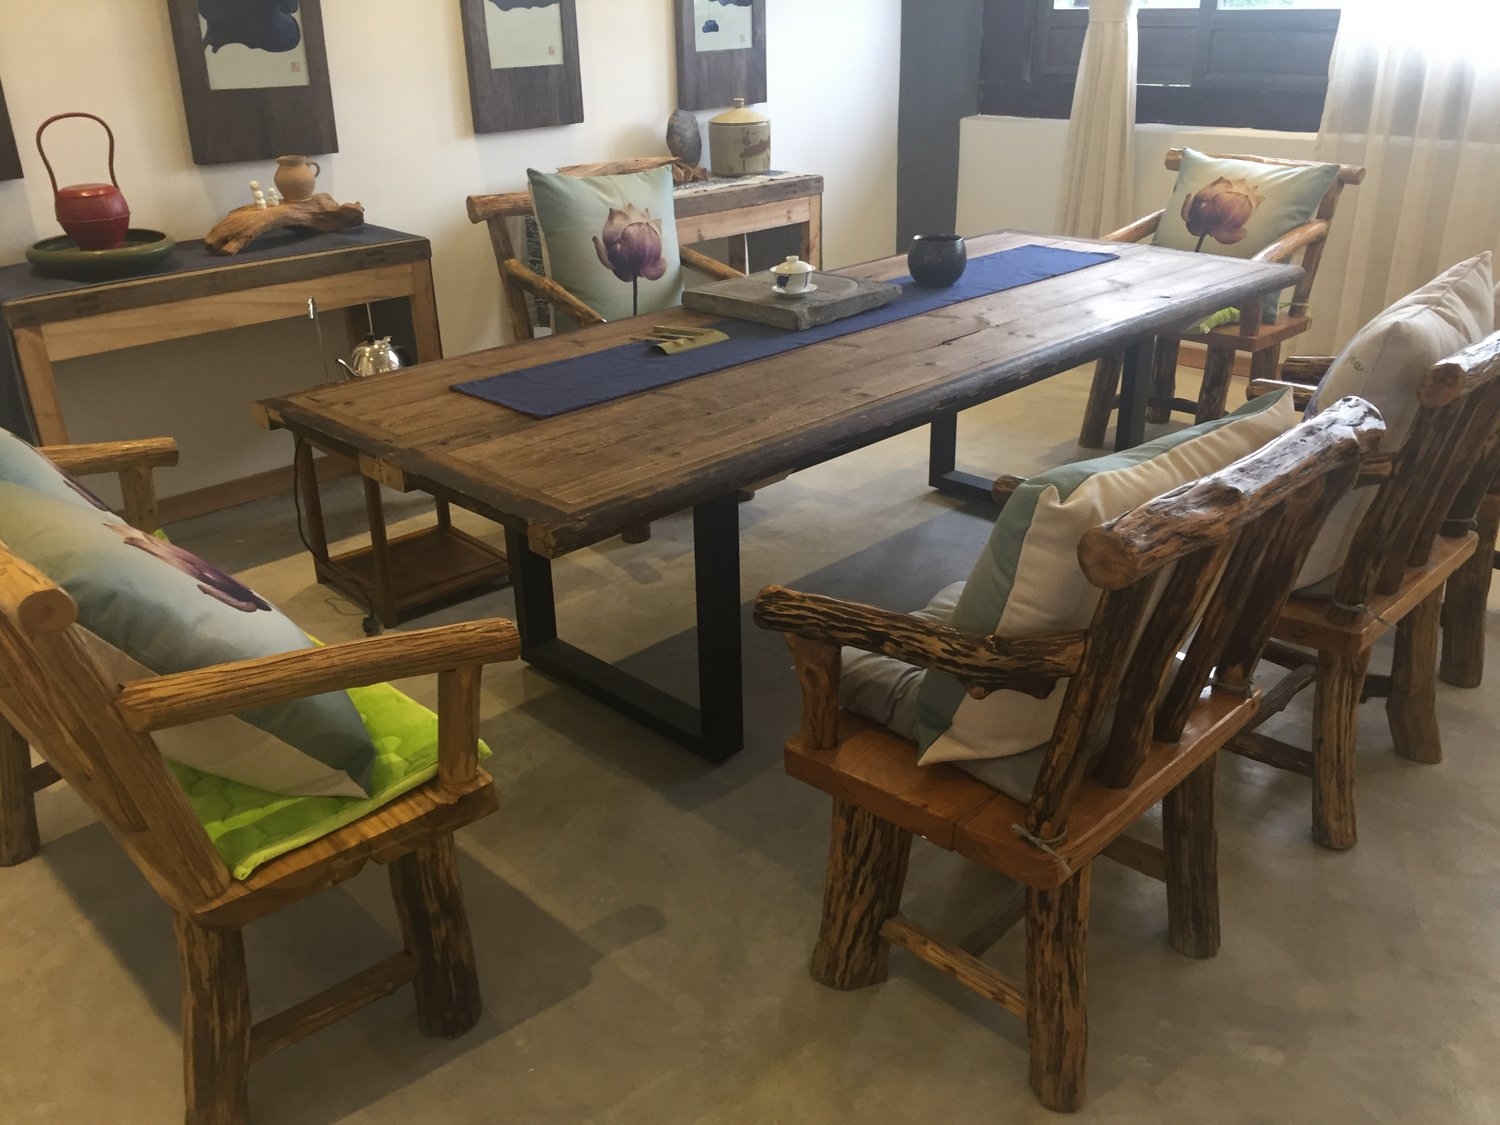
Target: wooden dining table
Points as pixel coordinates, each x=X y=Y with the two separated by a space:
x=562 y=483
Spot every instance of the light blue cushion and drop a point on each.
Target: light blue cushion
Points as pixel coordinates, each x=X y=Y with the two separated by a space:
x=22 y=463
x=153 y=607
x=611 y=241
x=1239 y=207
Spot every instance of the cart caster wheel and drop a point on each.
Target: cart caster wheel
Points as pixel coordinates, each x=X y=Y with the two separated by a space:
x=371 y=626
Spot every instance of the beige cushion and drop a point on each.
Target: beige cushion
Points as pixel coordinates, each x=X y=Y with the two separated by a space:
x=884 y=688
x=1383 y=364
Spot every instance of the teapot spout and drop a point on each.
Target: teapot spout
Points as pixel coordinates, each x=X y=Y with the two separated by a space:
x=353 y=374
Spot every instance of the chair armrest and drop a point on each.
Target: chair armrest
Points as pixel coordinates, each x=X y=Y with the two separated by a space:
x=1301 y=393
x=1138 y=229
x=696 y=260
x=455 y=652
x=1308 y=369
x=982 y=664
x=1294 y=240
x=133 y=461
x=548 y=290
x=222 y=689
x=113 y=456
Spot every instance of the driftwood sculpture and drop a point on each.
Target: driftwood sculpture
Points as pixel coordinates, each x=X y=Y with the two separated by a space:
x=321 y=212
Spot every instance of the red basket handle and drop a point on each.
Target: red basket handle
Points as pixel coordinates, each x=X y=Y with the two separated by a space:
x=92 y=117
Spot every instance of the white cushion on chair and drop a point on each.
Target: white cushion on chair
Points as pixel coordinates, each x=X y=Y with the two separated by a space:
x=1383 y=364
x=1028 y=583
x=884 y=688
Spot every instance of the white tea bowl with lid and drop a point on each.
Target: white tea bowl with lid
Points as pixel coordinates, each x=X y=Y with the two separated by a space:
x=793 y=277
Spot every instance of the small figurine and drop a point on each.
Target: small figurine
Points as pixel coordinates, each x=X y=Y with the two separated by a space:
x=257 y=197
x=273 y=197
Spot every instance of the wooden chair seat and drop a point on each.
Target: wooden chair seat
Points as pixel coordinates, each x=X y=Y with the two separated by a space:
x=1263 y=336
x=1315 y=622
x=877 y=770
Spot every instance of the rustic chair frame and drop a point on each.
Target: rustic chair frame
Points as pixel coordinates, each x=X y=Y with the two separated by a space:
x=1261 y=340
x=96 y=735
x=1213 y=561
x=1417 y=538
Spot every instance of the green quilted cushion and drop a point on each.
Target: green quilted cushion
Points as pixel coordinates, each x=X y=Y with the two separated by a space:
x=251 y=827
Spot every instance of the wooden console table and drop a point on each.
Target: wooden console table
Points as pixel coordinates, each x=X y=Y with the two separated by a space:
x=282 y=276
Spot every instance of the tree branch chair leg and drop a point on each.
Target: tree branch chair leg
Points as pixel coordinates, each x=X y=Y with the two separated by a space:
x=1412 y=704
x=19 y=838
x=1163 y=380
x=1213 y=396
x=1104 y=393
x=1190 y=847
x=1466 y=601
x=430 y=905
x=215 y=1024
x=1336 y=701
x=1057 y=1027
x=867 y=860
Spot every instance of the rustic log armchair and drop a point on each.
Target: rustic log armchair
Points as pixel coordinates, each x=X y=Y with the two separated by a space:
x=1262 y=340
x=97 y=736
x=1213 y=559
x=1416 y=537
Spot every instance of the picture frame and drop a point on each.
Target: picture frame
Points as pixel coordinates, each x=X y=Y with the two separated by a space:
x=10 y=156
x=255 y=81
x=522 y=59
x=713 y=71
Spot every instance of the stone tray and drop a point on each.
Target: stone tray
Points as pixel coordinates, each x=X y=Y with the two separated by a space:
x=755 y=298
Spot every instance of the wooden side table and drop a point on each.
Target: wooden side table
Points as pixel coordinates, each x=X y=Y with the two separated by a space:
x=282 y=276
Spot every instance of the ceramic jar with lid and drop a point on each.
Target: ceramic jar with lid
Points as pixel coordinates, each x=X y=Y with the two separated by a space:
x=739 y=142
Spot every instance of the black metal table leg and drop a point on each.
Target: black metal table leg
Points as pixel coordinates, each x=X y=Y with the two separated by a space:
x=1135 y=394
x=713 y=730
x=942 y=461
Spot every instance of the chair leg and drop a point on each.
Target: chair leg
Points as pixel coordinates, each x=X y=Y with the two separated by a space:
x=1218 y=365
x=1057 y=1026
x=1336 y=699
x=1412 y=705
x=1466 y=602
x=430 y=905
x=1191 y=848
x=1103 y=393
x=1163 y=380
x=19 y=839
x=1266 y=363
x=215 y=1024
x=866 y=872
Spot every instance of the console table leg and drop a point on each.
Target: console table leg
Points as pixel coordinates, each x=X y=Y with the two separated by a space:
x=716 y=567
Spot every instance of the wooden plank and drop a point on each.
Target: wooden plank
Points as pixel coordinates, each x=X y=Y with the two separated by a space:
x=744 y=220
x=723 y=195
x=41 y=387
x=231 y=277
x=331 y=1005
x=111 y=331
x=244 y=490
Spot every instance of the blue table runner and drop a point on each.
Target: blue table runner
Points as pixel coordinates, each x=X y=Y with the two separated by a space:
x=566 y=385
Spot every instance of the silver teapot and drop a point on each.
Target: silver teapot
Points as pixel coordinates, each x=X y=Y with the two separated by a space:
x=373 y=357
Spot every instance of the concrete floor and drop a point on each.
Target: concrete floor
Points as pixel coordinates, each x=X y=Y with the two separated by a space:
x=643 y=920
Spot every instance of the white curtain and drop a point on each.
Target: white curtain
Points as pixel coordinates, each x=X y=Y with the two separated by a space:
x=1099 y=170
x=1414 y=96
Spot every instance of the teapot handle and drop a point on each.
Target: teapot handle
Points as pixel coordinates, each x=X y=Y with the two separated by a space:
x=92 y=117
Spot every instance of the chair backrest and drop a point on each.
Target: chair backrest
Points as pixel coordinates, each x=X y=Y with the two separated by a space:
x=1213 y=561
x=1434 y=482
x=1349 y=176
x=55 y=694
x=498 y=210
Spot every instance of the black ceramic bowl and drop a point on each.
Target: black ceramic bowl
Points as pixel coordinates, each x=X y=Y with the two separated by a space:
x=936 y=260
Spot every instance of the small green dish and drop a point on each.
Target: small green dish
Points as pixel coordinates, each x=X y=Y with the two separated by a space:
x=60 y=257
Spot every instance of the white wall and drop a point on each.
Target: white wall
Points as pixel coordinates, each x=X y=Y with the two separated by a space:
x=1010 y=168
x=408 y=152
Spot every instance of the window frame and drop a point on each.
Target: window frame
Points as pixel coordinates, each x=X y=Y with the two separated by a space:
x=1198 y=66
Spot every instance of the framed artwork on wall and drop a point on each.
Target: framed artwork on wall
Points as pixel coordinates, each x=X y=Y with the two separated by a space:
x=721 y=52
x=523 y=63
x=254 y=78
x=10 y=159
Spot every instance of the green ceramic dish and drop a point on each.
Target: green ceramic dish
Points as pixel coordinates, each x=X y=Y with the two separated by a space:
x=60 y=257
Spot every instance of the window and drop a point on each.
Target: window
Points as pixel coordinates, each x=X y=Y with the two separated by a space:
x=1231 y=63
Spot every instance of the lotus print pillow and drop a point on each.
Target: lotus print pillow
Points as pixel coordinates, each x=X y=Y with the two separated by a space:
x=1239 y=207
